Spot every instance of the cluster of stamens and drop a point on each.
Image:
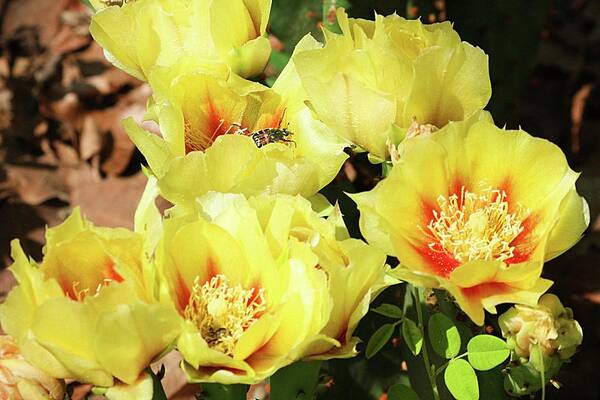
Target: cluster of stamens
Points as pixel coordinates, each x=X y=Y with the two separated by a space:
x=476 y=226
x=198 y=141
x=80 y=294
x=223 y=312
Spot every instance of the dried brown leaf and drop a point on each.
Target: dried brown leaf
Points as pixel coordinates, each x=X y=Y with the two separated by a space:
x=110 y=202
x=90 y=141
x=35 y=185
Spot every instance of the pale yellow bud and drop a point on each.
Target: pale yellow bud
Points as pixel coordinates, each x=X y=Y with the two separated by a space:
x=549 y=326
x=19 y=380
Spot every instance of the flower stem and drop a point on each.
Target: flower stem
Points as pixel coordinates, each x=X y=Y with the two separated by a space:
x=428 y=366
x=441 y=369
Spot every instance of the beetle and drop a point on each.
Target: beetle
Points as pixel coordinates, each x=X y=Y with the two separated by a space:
x=271 y=135
x=119 y=3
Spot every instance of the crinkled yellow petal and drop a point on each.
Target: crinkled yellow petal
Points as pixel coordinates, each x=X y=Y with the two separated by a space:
x=129 y=337
x=72 y=345
x=139 y=35
x=251 y=58
x=17 y=311
x=574 y=218
x=141 y=389
x=346 y=105
x=449 y=85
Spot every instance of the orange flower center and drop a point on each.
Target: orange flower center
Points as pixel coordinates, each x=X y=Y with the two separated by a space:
x=475 y=226
x=223 y=312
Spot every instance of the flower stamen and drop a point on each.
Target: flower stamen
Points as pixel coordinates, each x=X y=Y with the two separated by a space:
x=223 y=312
x=79 y=294
x=476 y=226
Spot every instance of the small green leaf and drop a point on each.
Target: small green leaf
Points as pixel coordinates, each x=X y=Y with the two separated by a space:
x=389 y=310
x=444 y=336
x=379 y=339
x=158 y=393
x=401 y=392
x=486 y=352
x=412 y=336
x=217 y=391
x=296 y=381
x=461 y=380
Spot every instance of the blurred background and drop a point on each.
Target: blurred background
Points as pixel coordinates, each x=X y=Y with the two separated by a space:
x=61 y=142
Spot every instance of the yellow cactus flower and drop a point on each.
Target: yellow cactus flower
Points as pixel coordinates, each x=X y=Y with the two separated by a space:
x=253 y=281
x=405 y=70
x=139 y=35
x=87 y=311
x=231 y=136
x=355 y=271
x=19 y=380
x=476 y=210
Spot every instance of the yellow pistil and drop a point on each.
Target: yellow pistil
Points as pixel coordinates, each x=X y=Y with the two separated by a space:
x=222 y=313
x=476 y=226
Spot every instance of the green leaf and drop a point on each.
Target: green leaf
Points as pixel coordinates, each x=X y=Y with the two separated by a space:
x=389 y=310
x=292 y=19
x=296 y=381
x=486 y=352
x=491 y=384
x=217 y=391
x=412 y=336
x=444 y=336
x=379 y=339
x=461 y=380
x=158 y=393
x=401 y=392
x=87 y=4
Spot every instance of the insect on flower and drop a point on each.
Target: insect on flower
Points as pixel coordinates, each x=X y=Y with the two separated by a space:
x=264 y=136
x=119 y=3
x=271 y=135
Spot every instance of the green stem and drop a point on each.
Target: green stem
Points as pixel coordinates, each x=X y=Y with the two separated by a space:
x=428 y=367
x=543 y=371
x=443 y=367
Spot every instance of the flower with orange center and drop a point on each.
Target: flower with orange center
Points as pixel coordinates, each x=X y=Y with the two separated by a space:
x=476 y=210
x=224 y=134
x=262 y=282
x=87 y=312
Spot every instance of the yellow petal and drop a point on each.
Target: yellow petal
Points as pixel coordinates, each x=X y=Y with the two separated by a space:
x=141 y=389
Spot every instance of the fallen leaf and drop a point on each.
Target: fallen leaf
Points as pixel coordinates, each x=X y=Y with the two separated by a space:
x=577 y=110
x=110 y=202
x=90 y=141
x=35 y=185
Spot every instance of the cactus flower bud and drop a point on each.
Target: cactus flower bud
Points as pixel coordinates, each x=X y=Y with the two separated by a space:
x=549 y=326
x=20 y=380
